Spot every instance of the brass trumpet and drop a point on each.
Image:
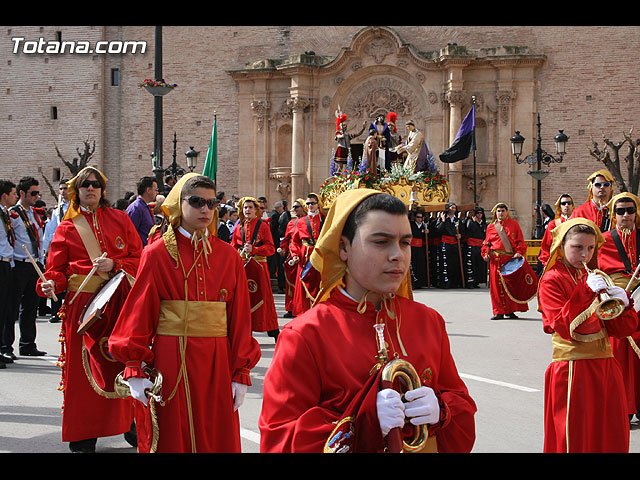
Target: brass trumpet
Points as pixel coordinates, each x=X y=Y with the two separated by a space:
x=609 y=307
x=121 y=386
x=402 y=377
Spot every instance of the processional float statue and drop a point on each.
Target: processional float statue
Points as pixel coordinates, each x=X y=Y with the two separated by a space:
x=405 y=169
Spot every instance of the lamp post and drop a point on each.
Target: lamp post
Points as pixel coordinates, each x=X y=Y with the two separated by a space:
x=538 y=158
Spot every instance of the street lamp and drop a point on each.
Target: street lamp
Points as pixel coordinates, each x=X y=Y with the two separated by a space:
x=538 y=158
x=192 y=159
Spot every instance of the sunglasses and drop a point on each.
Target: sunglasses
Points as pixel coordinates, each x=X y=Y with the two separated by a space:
x=623 y=210
x=312 y=203
x=34 y=193
x=599 y=185
x=91 y=183
x=566 y=203
x=199 y=202
x=297 y=206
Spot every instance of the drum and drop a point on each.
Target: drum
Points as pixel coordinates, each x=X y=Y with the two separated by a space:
x=96 y=323
x=519 y=280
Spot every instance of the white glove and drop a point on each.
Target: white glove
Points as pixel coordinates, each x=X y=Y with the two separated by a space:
x=137 y=386
x=422 y=406
x=596 y=282
x=390 y=410
x=238 y=390
x=619 y=292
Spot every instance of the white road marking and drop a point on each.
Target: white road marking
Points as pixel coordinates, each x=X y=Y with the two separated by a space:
x=497 y=382
x=250 y=435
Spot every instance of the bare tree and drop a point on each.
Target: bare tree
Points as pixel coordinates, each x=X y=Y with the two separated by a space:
x=75 y=165
x=610 y=157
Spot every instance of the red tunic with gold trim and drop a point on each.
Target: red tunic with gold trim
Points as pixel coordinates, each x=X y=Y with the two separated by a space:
x=289 y=270
x=86 y=413
x=590 y=211
x=323 y=360
x=264 y=317
x=545 y=245
x=609 y=262
x=302 y=245
x=500 y=300
x=584 y=369
x=202 y=407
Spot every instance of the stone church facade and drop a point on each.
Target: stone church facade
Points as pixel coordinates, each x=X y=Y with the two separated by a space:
x=274 y=91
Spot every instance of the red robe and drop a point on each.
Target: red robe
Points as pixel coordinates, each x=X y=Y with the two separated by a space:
x=500 y=300
x=323 y=359
x=590 y=211
x=609 y=262
x=547 y=238
x=212 y=363
x=596 y=418
x=301 y=246
x=86 y=413
x=289 y=270
x=265 y=317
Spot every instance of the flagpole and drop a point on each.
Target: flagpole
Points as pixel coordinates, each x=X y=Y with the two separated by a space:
x=473 y=105
x=215 y=174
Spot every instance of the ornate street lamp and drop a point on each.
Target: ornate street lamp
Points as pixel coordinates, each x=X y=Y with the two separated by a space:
x=192 y=159
x=538 y=158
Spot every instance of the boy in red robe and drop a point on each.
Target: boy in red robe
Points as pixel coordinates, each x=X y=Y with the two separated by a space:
x=290 y=267
x=585 y=404
x=325 y=389
x=302 y=244
x=600 y=188
x=618 y=258
x=188 y=318
x=252 y=238
x=90 y=410
x=503 y=241
x=564 y=209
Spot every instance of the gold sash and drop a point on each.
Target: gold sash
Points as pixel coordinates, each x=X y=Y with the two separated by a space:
x=565 y=350
x=205 y=319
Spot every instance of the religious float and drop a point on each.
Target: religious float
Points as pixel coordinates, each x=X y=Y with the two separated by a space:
x=422 y=190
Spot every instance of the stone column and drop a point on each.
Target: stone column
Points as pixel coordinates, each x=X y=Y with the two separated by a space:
x=456 y=100
x=297 y=105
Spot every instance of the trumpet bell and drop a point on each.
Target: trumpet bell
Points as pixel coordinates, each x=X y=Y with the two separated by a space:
x=121 y=386
x=402 y=376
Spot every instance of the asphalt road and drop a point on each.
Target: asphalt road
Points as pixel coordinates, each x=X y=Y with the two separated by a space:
x=502 y=362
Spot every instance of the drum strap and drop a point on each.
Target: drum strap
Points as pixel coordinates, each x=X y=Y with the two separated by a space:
x=503 y=237
x=623 y=253
x=255 y=232
x=89 y=240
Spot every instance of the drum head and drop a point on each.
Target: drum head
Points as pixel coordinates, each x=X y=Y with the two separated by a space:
x=512 y=265
x=93 y=309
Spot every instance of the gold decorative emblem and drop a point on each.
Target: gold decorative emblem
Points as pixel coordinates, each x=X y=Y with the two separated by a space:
x=119 y=243
x=253 y=285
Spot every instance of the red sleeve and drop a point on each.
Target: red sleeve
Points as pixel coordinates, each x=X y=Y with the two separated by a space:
x=545 y=245
x=561 y=303
x=489 y=240
x=517 y=238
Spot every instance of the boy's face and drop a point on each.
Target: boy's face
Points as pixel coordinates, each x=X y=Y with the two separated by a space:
x=379 y=256
x=194 y=218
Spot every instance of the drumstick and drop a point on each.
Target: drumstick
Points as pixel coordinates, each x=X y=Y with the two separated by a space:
x=632 y=277
x=93 y=270
x=35 y=265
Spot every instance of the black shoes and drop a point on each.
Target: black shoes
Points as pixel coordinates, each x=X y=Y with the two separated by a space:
x=5 y=358
x=31 y=352
x=83 y=446
x=132 y=436
x=501 y=316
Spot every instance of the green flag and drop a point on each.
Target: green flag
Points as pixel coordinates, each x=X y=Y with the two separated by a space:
x=211 y=162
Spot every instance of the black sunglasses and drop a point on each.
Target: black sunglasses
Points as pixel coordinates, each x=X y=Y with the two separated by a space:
x=34 y=193
x=623 y=210
x=566 y=203
x=312 y=203
x=91 y=183
x=199 y=202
